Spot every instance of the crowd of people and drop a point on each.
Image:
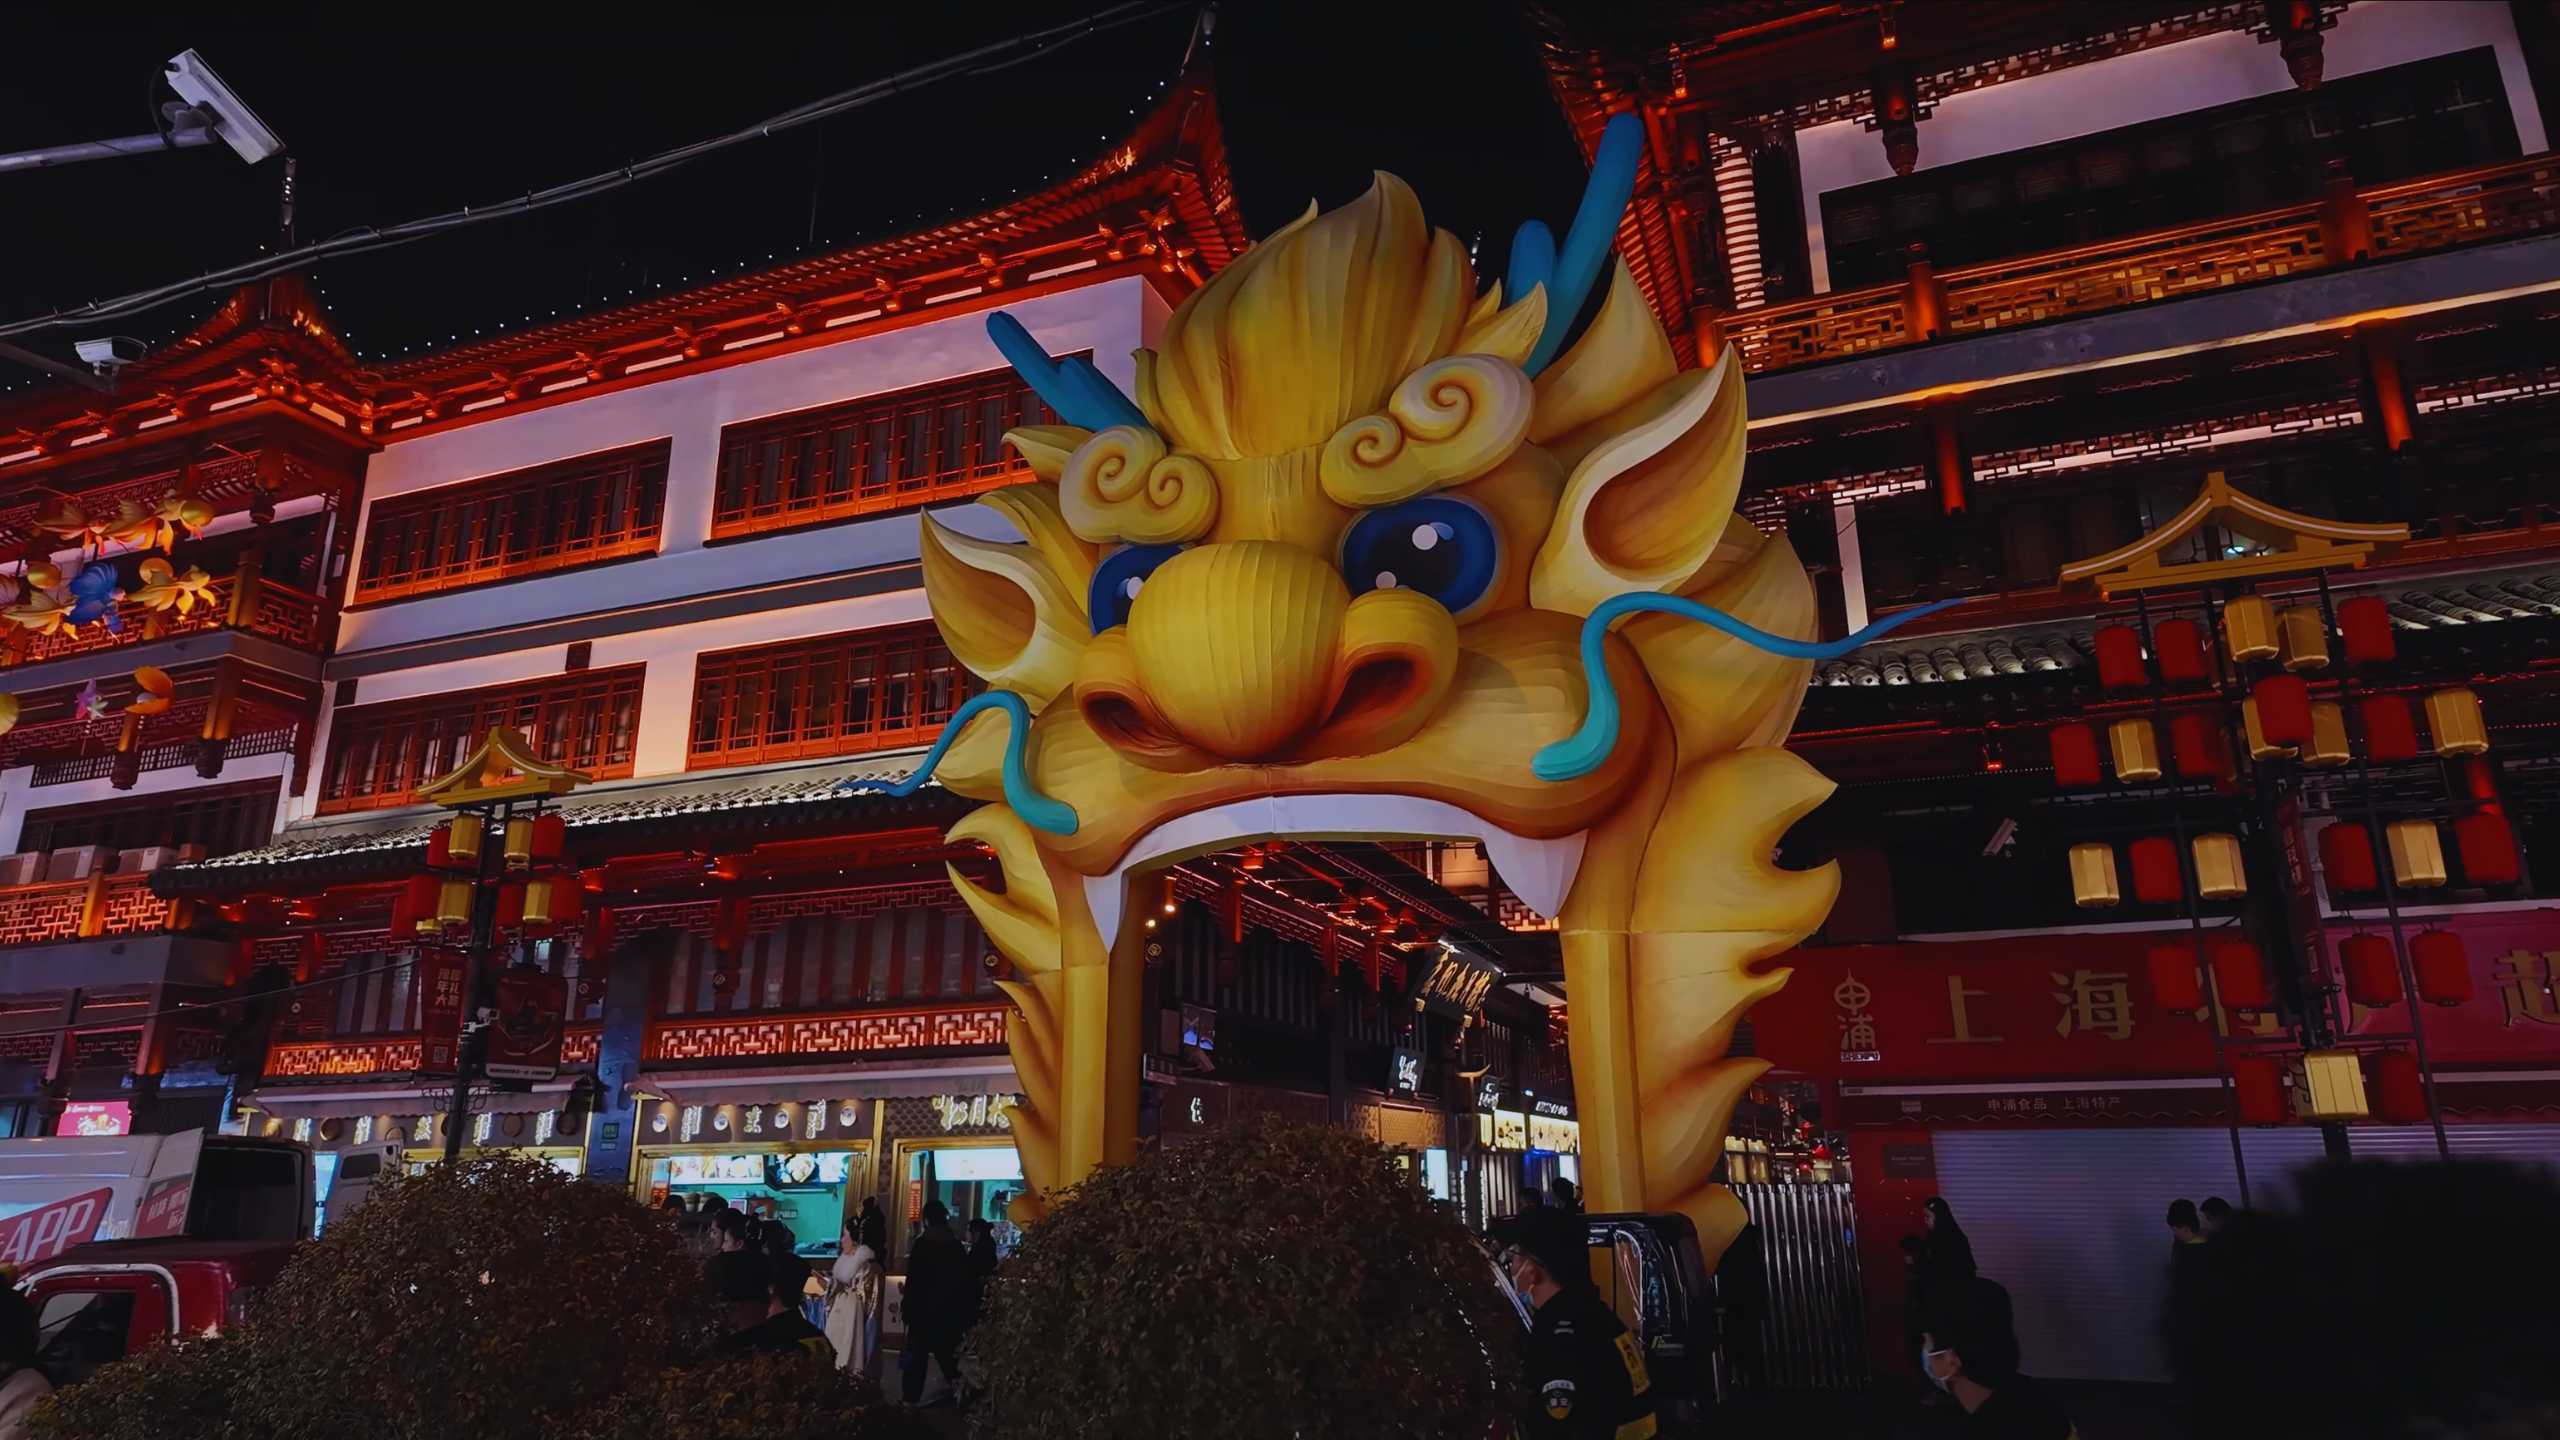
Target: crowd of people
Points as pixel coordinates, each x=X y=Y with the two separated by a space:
x=773 y=1301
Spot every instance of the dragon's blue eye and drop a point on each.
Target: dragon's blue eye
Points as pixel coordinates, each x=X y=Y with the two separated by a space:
x=1444 y=548
x=1116 y=581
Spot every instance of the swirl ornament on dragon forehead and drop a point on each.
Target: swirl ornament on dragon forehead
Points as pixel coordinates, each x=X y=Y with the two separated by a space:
x=1373 y=555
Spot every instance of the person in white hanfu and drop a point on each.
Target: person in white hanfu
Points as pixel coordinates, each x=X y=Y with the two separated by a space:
x=853 y=1302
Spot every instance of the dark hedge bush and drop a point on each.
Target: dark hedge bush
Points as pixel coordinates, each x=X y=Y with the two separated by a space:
x=762 y=1397
x=1273 y=1280
x=498 y=1300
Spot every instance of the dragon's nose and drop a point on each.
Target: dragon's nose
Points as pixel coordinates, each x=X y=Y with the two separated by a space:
x=1236 y=644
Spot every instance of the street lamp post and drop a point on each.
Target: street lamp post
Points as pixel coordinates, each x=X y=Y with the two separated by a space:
x=503 y=823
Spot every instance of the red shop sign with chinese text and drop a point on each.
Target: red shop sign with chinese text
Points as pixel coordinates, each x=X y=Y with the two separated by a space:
x=2079 y=1005
x=2513 y=1017
x=2035 y=1006
x=440 y=999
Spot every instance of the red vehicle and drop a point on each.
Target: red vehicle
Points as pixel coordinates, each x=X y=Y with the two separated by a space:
x=97 y=1303
x=129 y=1240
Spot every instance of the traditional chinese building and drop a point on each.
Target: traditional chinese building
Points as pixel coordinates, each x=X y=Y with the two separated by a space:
x=2102 y=321
x=176 y=554
x=673 y=547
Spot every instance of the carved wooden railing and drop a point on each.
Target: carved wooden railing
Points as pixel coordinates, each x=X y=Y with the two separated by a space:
x=103 y=904
x=277 y=611
x=2493 y=202
x=396 y=1054
x=740 y=1035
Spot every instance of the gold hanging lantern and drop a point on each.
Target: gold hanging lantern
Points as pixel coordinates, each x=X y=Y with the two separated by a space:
x=2328 y=735
x=2220 y=875
x=2260 y=747
x=519 y=850
x=2453 y=718
x=2305 y=637
x=453 y=905
x=2334 y=1083
x=464 y=846
x=2249 y=628
x=2137 y=750
x=2417 y=854
x=2093 y=877
x=537 y=902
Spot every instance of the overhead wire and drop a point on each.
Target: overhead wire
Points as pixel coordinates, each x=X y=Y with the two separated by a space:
x=986 y=59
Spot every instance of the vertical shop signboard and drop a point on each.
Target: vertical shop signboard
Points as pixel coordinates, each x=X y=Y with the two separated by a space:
x=440 y=975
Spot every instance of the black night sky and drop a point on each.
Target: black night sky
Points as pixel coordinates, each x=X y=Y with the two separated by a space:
x=408 y=112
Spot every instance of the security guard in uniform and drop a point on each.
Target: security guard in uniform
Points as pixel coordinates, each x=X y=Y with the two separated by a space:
x=1586 y=1377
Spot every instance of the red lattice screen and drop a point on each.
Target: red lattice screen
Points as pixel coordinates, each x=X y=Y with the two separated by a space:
x=526 y=522
x=837 y=695
x=380 y=754
x=876 y=454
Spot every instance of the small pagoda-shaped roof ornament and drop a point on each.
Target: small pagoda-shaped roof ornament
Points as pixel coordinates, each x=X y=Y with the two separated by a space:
x=2294 y=544
x=503 y=767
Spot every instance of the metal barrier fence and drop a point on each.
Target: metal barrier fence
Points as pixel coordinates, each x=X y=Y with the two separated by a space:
x=1814 y=1336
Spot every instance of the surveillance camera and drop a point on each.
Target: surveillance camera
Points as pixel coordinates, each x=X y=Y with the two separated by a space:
x=228 y=114
x=109 y=352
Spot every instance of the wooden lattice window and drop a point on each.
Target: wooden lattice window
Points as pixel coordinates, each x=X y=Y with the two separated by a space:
x=380 y=754
x=526 y=522
x=876 y=454
x=836 y=695
x=223 y=819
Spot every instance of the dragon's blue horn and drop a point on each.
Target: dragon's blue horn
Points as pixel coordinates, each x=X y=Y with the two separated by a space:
x=1072 y=387
x=1577 y=263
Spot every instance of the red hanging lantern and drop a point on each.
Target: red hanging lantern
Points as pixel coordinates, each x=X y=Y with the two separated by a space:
x=2240 y=976
x=2284 y=709
x=2120 y=664
x=2366 y=623
x=440 y=848
x=2179 y=647
x=510 y=904
x=2075 y=756
x=2156 y=880
x=2443 y=970
x=2372 y=970
x=2399 y=1094
x=2346 y=858
x=2196 y=741
x=2174 y=981
x=550 y=832
x=2390 y=734
x=416 y=908
x=568 y=899
x=2258 y=1084
x=2487 y=845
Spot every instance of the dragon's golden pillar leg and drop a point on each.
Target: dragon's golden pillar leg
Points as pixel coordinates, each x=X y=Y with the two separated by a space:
x=1103 y=1039
x=1125 y=1047
x=1600 y=1041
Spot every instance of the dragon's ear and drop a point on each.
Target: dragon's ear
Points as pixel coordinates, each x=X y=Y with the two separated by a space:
x=1005 y=613
x=1645 y=507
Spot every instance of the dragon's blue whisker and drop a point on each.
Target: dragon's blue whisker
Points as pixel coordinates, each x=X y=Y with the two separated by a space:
x=1040 y=812
x=1586 y=749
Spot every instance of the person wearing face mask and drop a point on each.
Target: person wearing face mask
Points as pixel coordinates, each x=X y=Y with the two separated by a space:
x=1585 y=1374
x=1971 y=1353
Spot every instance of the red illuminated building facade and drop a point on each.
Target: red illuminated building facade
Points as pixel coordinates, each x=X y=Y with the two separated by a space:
x=673 y=545
x=2154 y=287
x=2044 y=307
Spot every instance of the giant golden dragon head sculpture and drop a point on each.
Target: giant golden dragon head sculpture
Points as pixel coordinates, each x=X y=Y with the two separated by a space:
x=1371 y=555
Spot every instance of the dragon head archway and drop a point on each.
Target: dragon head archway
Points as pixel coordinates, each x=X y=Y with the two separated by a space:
x=1372 y=556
